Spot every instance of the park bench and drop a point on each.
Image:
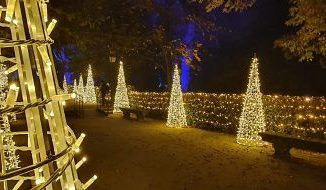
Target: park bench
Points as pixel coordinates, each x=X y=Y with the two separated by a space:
x=283 y=143
x=140 y=114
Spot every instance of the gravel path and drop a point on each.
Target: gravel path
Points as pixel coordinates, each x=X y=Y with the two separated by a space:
x=131 y=155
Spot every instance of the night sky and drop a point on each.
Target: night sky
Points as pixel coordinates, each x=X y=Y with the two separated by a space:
x=225 y=66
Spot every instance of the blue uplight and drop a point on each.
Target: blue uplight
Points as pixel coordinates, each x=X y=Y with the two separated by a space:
x=188 y=39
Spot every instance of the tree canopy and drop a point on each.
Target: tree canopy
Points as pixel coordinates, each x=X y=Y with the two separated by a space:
x=308 y=39
x=307 y=19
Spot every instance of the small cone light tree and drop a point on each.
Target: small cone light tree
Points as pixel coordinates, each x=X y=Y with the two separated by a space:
x=176 y=110
x=90 y=95
x=80 y=88
x=75 y=90
x=65 y=85
x=121 y=95
x=252 y=119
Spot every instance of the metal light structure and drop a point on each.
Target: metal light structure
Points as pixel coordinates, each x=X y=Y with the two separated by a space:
x=51 y=142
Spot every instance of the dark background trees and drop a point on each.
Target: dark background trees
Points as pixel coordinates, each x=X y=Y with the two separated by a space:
x=149 y=35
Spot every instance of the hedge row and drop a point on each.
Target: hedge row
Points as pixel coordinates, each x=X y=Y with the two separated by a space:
x=294 y=115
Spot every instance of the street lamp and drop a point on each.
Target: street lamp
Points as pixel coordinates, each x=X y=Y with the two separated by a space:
x=112 y=55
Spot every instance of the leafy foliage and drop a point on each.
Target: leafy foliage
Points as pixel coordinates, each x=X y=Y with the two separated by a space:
x=226 y=5
x=308 y=18
x=126 y=27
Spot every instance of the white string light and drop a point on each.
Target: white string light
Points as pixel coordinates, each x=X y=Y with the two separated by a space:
x=291 y=115
x=10 y=10
x=51 y=26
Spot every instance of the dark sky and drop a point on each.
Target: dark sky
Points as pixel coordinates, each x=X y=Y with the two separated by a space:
x=225 y=67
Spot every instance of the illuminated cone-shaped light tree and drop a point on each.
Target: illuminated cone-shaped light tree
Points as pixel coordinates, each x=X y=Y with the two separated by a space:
x=65 y=85
x=75 y=90
x=50 y=143
x=90 y=95
x=11 y=160
x=252 y=119
x=176 y=111
x=80 y=88
x=121 y=95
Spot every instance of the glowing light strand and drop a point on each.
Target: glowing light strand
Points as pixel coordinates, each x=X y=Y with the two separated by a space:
x=291 y=115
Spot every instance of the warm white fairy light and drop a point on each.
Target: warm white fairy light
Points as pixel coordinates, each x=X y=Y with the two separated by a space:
x=176 y=111
x=10 y=10
x=65 y=85
x=284 y=114
x=121 y=99
x=51 y=26
x=63 y=97
x=90 y=95
x=11 y=69
x=252 y=119
x=12 y=95
x=15 y=21
x=81 y=162
x=40 y=180
x=89 y=182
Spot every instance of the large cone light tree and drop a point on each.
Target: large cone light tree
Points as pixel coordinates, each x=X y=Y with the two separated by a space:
x=121 y=95
x=176 y=111
x=50 y=143
x=252 y=119
x=90 y=94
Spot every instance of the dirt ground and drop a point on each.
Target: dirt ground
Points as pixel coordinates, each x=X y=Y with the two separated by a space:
x=132 y=155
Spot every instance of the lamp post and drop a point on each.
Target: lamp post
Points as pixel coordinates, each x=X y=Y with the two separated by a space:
x=112 y=55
